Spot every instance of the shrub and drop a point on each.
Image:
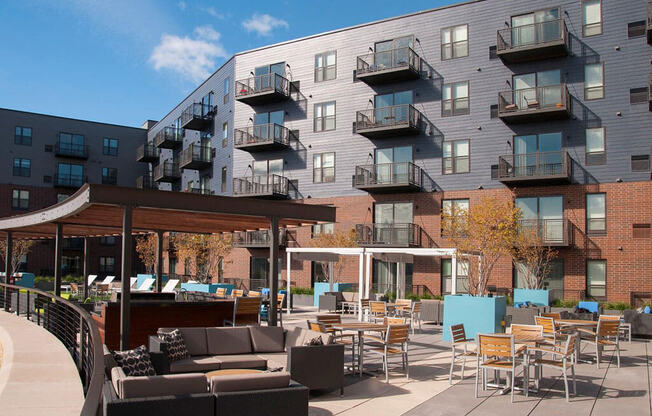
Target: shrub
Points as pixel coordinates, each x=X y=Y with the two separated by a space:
x=618 y=306
x=302 y=291
x=560 y=303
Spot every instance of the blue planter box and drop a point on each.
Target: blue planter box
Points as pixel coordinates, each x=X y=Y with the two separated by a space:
x=205 y=287
x=478 y=314
x=539 y=297
x=323 y=287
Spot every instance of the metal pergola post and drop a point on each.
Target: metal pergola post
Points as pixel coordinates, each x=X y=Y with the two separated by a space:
x=58 y=251
x=273 y=272
x=87 y=259
x=159 y=261
x=8 y=255
x=125 y=275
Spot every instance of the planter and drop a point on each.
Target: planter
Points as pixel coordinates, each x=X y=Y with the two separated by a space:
x=430 y=310
x=524 y=316
x=44 y=285
x=302 y=300
x=538 y=297
x=323 y=287
x=205 y=287
x=616 y=312
x=479 y=314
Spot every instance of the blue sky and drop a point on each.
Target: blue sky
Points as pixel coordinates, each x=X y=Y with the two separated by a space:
x=124 y=61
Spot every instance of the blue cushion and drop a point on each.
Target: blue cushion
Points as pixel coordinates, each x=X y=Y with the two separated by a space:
x=646 y=309
x=589 y=306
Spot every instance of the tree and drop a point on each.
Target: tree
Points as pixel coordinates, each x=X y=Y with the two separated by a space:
x=532 y=256
x=335 y=239
x=482 y=234
x=20 y=249
x=203 y=252
x=147 y=249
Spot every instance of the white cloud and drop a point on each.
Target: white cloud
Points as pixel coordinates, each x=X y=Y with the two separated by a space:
x=213 y=12
x=182 y=5
x=263 y=24
x=192 y=58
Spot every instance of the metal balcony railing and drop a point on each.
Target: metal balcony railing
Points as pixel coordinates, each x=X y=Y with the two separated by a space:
x=257 y=238
x=147 y=152
x=394 y=120
x=146 y=182
x=66 y=180
x=535 y=166
x=532 y=36
x=263 y=185
x=167 y=171
x=272 y=85
x=649 y=19
x=551 y=232
x=195 y=157
x=169 y=137
x=391 y=65
x=402 y=174
x=262 y=135
x=71 y=150
x=534 y=104
x=201 y=191
x=388 y=235
x=197 y=116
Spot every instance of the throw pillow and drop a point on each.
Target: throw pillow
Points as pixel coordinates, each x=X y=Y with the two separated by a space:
x=176 y=345
x=315 y=341
x=135 y=362
x=273 y=369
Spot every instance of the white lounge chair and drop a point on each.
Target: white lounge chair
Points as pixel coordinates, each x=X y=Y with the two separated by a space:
x=170 y=286
x=91 y=278
x=132 y=282
x=107 y=280
x=146 y=286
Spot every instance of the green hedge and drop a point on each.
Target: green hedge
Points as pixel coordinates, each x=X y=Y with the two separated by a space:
x=67 y=279
x=302 y=291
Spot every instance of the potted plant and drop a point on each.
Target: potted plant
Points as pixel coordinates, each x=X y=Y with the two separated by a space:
x=302 y=296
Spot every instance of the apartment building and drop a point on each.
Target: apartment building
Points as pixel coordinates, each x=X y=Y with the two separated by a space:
x=545 y=103
x=48 y=158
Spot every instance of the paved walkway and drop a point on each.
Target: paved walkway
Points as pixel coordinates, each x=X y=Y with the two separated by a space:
x=38 y=376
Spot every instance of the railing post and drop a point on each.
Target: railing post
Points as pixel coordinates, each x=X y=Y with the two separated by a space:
x=18 y=303
x=82 y=348
x=27 y=308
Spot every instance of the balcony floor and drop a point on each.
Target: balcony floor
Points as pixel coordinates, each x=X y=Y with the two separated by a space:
x=386 y=76
x=389 y=188
x=270 y=195
x=550 y=50
x=195 y=165
x=261 y=146
x=534 y=115
x=198 y=123
x=169 y=144
x=264 y=97
x=385 y=132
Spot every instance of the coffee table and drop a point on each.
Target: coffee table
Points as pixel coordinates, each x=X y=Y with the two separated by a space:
x=232 y=371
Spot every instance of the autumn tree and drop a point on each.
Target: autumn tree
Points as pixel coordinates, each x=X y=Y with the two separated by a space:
x=203 y=252
x=532 y=256
x=482 y=234
x=338 y=238
x=146 y=247
x=20 y=249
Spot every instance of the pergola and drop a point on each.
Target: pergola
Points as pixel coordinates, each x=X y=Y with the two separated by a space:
x=106 y=210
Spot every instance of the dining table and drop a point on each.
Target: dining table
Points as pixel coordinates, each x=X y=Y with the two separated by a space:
x=577 y=324
x=361 y=328
x=521 y=342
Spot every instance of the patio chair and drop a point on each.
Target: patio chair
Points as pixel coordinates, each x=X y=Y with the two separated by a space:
x=521 y=329
x=606 y=334
x=550 y=330
x=245 y=306
x=237 y=293
x=458 y=338
x=133 y=281
x=377 y=310
x=364 y=305
x=170 y=286
x=107 y=280
x=554 y=315
x=414 y=314
x=74 y=289
x=90 y=279
x=146 y=286
x=348 y=340
x=566 y=352
x=220 y=292
x=403 y=305
x=395 y=342
x=496 y=352
x=328 y=320
x=625 y=327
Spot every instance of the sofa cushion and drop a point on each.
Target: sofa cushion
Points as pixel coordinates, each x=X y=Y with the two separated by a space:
x=196 y=364
x=165 y=385
x=117 y=375
x=293 y=338
x=245 y=382
x=109 y=361
x=267 y=338
x=194 y=338
x=241 y=361
x=176 y=346
x=275 y=359
x=300 y=336
x=135 y=362
x=223 y=341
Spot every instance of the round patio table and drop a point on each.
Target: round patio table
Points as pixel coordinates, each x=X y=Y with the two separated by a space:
x=521 y=341
x=577 y=323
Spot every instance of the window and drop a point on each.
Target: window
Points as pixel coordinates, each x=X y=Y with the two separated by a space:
x=596 y=220
x=537 y=154
x=638 y=95
x=553 y=281
x=71 y=265
x=462 y=276
x=22 y=167
x=393 y=165
x=62 y=197
x=455 y=99
x=110 y=147
x=456 y=157
x=317 y=229
x=640 y=163
x=636 y=29
x=593 y=81
x=596 y=278
x=595 y=152
x=323 y=167
x=70 y=174
x=23 y=135
x=227 y=87
x=107 y=241
x=537 y=90
x=107 y=265
x=109 y=176
x=20 y=199
x=263 y=168
x=452 y=208
x=591 y=17
x=223 y=183
x=325 y=66
x=641 y=230
x=225 y=134
x=538 y=27
x=454 y=42
x=545 y=216
x=325 y=116
x=71 y=144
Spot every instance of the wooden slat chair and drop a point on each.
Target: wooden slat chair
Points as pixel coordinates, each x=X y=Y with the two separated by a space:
x=364 y=305
x=550 y=330
x=496 y=352
x=220 y=292
x=253 y=294
x=377 y=310
x=554 y=315
x=459 y=339
x=414 y=313
x=348 y=340
x=244 y=310
x=625 y=327
x=395 y=342
x=566 y=352
x=237 y=293
x=402 y=306
x=280 y=298
x=525 y=330
x=328 y=320
x=387 y=321
x=606 y=334
x=74 y=289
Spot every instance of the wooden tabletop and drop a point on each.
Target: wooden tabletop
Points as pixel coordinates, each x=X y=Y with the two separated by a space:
x=232 y=371
x=359 y=326
x=576 y=322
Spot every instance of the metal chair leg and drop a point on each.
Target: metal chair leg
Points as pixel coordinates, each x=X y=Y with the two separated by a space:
x=565 y=382
x=450 y=374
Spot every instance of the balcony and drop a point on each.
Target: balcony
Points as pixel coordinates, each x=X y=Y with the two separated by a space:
x=534 y=104
x=195 y=157
x=384 y=122
x=649 y=22
x=262 y=89
x=258 y=239
x=388 y=177
x=396 y=65
x=146 y=182
x=649 y=91
x=167 y=172
x=200 y=191
x=551 y=232
x=198 y=116
x=169 y=138
x=66 y=180
x=388 y=235
x=540 y=167
x=266 y=186
x=542 y=40
x=262 y=137
x=148 y=153
x=78 y=151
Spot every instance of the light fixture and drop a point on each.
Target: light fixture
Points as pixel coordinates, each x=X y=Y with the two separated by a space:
x=619 y=114
x=480 y=186
x=619 y=180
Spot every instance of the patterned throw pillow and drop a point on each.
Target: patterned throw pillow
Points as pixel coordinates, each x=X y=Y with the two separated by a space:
x=176 y=345
x=315 y=341
x=135 y=362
